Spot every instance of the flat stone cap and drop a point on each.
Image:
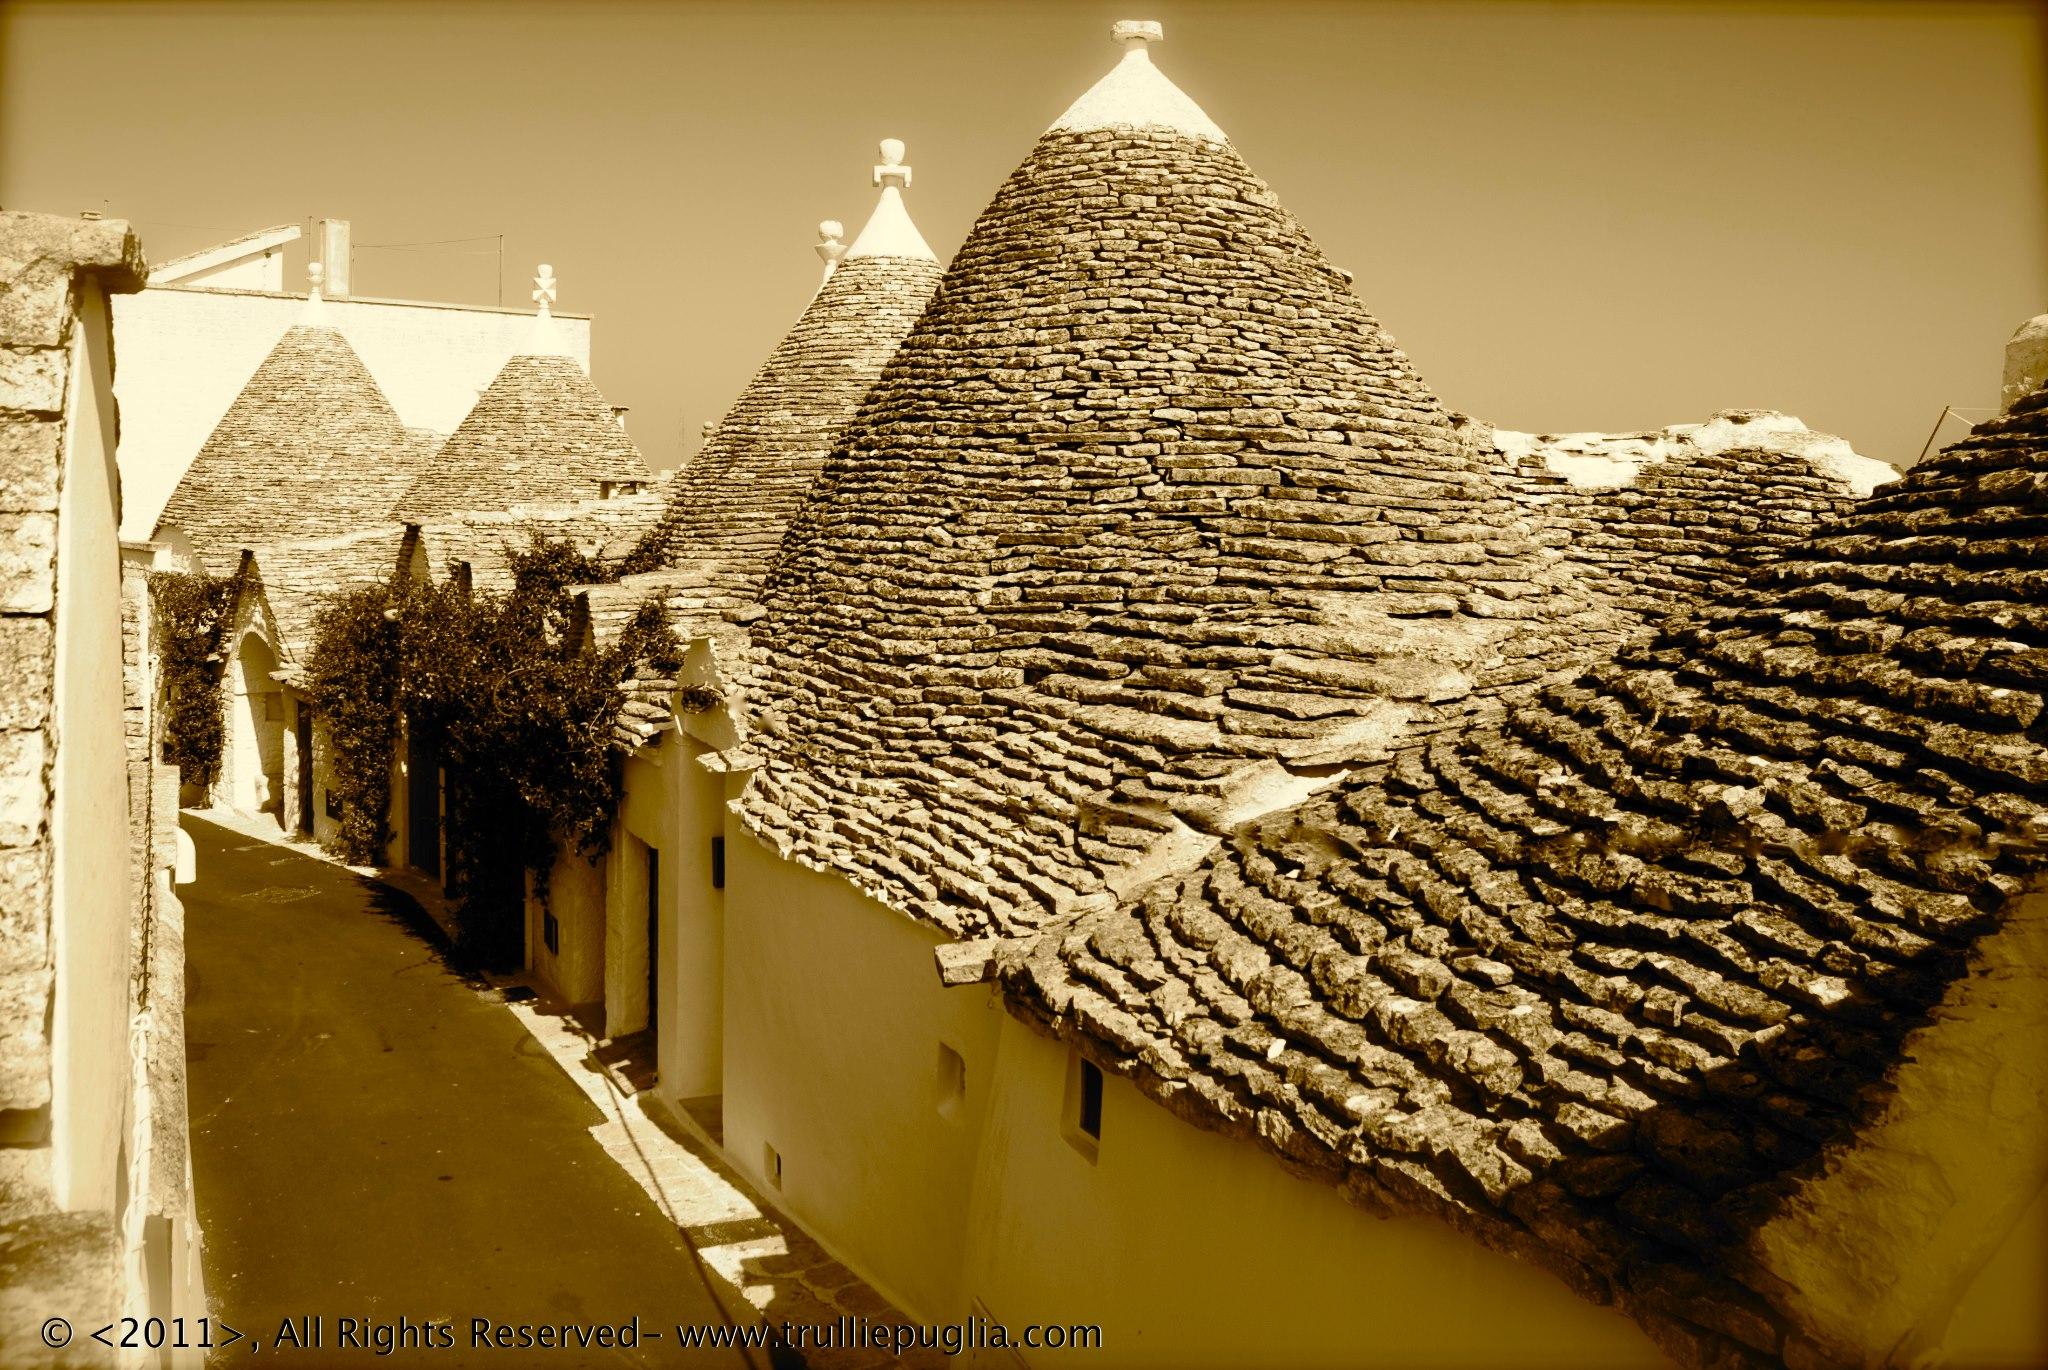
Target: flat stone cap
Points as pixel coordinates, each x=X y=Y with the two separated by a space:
x=40 y=256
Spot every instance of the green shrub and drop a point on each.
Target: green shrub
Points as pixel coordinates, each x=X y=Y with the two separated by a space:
x=193 y=616
x=521 y=713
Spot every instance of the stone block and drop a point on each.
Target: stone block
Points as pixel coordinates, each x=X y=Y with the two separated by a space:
x=28 y=466
x=26 y=1189
x=26 y=665
x=24 y=909
x=35 y=303
x=42 y=254
x=24 y=1038
x=2026 y=362
x=24 y=796
x=28 y=563
x=32 y=381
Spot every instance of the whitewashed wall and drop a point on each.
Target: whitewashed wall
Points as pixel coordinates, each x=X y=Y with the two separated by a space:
x=833 y=1022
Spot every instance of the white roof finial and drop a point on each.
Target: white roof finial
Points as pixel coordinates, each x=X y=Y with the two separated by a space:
x=543 y=340
x=1136 y=94
x=892 y=172
x=889 y=232
x=828 y=247
x=1136 y=35
x=316 y=308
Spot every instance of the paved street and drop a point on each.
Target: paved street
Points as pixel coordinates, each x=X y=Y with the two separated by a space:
x=375 y=1137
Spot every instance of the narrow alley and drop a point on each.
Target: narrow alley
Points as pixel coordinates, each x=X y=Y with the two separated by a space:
x=374 y=1136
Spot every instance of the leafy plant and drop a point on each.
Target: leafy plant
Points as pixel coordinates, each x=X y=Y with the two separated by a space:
x=193 y=615
x=521 y=712
x=351 y=674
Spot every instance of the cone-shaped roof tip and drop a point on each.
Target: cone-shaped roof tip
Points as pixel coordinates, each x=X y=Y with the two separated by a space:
x=543 y=340
x=829 y=247
x=315 y=312
x=1136 y=95
x=889 y=231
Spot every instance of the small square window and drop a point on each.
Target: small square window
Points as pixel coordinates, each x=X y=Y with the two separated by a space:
x=331 y=802
x=771 y=1164
x=951 y=1083
x=718 y=863
x=1083 y=1121
x=551 y=933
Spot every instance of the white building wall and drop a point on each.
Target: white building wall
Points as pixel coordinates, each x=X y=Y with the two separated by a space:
x=89 y=816
x=1193 y=1249
x=834 y=1022
x=574 y=969
x=185 y=354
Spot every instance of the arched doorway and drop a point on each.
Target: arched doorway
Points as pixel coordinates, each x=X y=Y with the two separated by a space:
x=256 y=729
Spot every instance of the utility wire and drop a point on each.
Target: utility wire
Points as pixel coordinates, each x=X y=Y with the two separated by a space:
x=439 y=242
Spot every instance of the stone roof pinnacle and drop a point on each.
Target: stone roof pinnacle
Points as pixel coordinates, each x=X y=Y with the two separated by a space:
x=1136 y=95
x=1136 y=35
x=543 y=341
x=315 y=311
x=828 y=246
x=889 y=231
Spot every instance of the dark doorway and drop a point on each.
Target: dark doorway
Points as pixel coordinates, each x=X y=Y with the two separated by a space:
x=305 y=735
x=653 y=936
x=422 y=799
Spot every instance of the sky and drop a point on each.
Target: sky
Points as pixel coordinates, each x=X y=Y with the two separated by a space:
x=1570 y=216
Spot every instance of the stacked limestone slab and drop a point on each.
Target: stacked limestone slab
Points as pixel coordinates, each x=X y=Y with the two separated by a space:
x=310 y=448
x=1656 y=521
x=483 y=541
x=1615 y=985
x=729 y=508
x=727 y=513
x=1147 y=526
x=293 y=581
x=542 y=433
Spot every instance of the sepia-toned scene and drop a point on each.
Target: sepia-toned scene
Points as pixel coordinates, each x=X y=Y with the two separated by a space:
x=808 y=684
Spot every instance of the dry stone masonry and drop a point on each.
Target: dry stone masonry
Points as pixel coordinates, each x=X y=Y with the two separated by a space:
x=541 y=434
x=1146 y=527
x=310 y=448
x=1599 y=984
x=1656 y=521
x=729 y=509
x=71 y=1232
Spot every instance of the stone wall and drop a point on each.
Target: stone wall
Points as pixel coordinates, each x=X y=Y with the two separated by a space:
x=95 y=1194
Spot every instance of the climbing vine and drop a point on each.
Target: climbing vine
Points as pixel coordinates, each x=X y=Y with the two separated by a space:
x=519 y=711
x=193 y=615
x=351 y=677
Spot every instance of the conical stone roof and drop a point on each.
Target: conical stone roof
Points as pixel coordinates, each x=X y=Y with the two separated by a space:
x=542 y=433
x=730 y=507
x=310 y=448
x=1147 y=523
x=1603 y=983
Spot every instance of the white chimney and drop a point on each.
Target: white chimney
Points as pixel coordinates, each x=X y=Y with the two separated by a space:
x=335 y=255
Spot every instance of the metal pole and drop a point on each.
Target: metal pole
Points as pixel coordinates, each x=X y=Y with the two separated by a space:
x=1946 y=410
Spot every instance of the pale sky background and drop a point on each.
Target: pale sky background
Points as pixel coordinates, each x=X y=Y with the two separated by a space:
x=1596 y=215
